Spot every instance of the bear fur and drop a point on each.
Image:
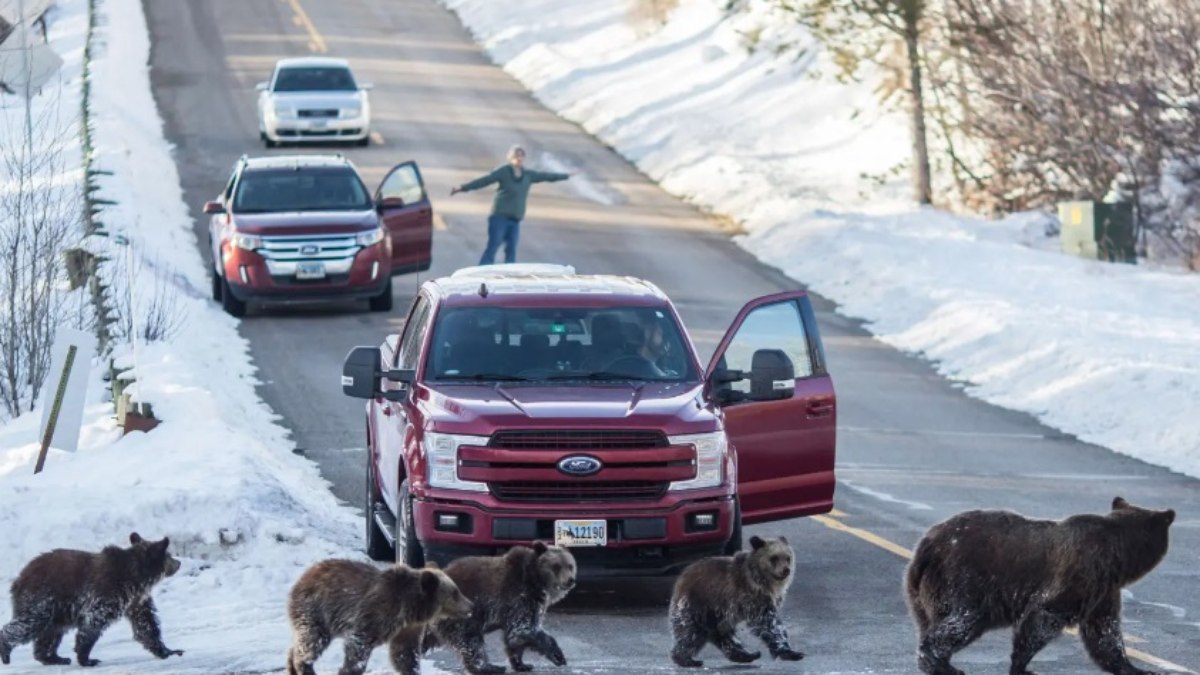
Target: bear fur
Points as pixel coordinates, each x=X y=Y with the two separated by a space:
x=510 y=593
x=714 y=595
x=982 y=570
x=66 y=589
x=366 y=606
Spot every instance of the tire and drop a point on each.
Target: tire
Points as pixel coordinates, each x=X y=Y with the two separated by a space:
x=383 y=301
x=364 y=141
x=216 y=285
x=266 y=140
x=408 y=547
x=378 y=547
x=231 y=305
x=735 y=543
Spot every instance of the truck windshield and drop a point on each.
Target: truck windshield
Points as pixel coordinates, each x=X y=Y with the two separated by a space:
x=558 y=344
x=305 y=189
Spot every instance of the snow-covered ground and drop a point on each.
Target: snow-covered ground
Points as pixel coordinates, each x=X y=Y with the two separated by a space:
x=218 y=476
x=1109 y=353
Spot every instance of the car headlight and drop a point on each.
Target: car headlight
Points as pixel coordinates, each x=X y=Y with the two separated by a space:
x=351 y=111
x=370 y=238
x=710 y=459
x=442 y=453
x=248 y=242
x=283 y=110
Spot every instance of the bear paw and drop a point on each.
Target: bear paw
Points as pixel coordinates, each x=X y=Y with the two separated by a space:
x=89 y=663
x=686 y=662
x=789 y=654
x=555 y=655
x=53 y=660
x=744 y=656
x=169 y=653
x=522 y=667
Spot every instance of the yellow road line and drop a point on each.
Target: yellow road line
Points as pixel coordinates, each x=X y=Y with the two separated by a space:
x=837 y=514
x=316 y=42
x=899 y=550
x=439 y=222
x=377 y=138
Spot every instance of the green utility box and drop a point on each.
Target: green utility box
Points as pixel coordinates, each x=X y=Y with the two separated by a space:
x=1098 y=231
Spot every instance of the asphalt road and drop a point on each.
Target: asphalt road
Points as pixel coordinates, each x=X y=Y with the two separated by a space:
x=913 y=448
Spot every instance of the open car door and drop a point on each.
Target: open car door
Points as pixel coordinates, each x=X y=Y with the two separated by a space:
x=768 y=374
x=407 y=214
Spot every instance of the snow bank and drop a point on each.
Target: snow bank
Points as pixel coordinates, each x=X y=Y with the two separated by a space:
x=218 y=476
x=1106 y=352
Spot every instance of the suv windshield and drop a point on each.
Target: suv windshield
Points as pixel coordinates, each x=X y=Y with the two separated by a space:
x=518 y=344
x=305 y=189
x=308 y=78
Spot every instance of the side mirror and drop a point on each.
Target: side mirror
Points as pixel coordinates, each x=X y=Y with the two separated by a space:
x=360 y=373
x=213 y=207
x=262 y=86
x=388 y=203
x=772 y=375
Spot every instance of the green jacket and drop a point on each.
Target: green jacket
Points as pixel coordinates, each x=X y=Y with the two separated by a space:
x=512 y=191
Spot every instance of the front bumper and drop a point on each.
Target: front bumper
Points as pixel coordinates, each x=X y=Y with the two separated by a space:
x=250 y=277
x=317 y=129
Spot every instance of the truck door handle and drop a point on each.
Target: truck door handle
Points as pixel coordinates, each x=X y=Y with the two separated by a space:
x=820 y=408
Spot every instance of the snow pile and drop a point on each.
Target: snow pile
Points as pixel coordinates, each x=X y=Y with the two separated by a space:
x=245 y=515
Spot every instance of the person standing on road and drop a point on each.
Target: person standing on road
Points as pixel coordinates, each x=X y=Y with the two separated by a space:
x=508 y=208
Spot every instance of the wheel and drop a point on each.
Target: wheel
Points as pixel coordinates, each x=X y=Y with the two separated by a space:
x=383 y=301
x=408 y=548
x=216 y=285
x=231 y=305
x=378 y=547
x=364 y=141
x=735 y=538
x=266 y=140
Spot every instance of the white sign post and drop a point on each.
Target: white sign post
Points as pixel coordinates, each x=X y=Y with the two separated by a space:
x=65 y=391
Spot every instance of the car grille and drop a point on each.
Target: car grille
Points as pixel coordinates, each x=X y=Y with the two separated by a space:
x=601 y=439
x=283 y=252
x=612 y=491
x=323 y=113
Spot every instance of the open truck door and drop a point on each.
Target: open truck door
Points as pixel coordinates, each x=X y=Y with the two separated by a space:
x=404 y=208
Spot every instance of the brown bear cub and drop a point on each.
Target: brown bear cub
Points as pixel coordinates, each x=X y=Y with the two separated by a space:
x=365 y=606
x=510 y=593
x=66 y=589
x=982 y=570
x=714 y=595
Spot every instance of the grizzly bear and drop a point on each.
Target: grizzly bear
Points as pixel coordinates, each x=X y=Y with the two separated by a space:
x=66 y=589
x=510 y=593
x=714 y=595
x=364 y=605
x=982 y=570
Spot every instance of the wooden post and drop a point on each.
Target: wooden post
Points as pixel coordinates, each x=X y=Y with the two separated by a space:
x=55 y=406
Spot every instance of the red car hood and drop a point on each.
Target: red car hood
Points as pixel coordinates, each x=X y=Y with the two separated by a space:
x=674 y=408
x=308 y=222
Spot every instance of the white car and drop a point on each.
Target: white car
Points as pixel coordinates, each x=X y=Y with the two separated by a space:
x=313 y=99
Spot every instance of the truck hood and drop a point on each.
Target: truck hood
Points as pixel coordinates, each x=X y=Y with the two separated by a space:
x=481 y=409
x=308 y=222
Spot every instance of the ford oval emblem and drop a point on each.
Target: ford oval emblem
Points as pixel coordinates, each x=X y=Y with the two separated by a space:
x=579 y=465
x=310 y=249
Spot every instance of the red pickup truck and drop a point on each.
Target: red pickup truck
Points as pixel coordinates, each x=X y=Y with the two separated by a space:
x=526 y=402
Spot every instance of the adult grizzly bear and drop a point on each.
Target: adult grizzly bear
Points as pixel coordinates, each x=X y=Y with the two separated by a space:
x=66 y=589
x=982 y=570
x=364 y=605
x=714 y=595
x=510 y=593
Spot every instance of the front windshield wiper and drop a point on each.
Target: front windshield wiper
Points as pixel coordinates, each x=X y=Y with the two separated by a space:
x=485 y=377
x=604 y=375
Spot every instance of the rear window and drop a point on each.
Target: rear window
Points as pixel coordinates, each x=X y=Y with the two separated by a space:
x=309 y=78
x=306 y=189
x=558 y=344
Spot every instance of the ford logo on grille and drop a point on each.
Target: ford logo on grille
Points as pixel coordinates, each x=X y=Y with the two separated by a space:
x=579 y=465
x=310 y=249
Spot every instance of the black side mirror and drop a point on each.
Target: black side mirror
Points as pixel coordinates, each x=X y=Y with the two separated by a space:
x=360 y=373
x=772 y=375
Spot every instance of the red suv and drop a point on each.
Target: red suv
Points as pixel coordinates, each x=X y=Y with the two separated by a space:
x=526 y=402
x=302 y=228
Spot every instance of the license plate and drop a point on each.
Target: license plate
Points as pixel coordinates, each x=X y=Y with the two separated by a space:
x=310 y=270
x=580 y=532
x=318 y=123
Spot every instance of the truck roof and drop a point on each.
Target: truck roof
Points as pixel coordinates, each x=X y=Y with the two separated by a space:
x=541 y=284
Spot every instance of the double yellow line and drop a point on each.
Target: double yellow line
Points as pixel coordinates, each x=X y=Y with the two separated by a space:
x=831 y=521
x=316 y=42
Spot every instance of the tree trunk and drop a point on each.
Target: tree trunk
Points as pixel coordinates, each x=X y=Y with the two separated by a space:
x=921 y=178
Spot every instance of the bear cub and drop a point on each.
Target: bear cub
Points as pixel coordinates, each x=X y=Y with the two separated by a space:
x=365 y=606
x=510 y=593
x=714 y=595
x=981 y=570
x=66 y=589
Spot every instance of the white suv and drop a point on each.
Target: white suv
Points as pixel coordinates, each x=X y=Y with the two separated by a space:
x=313 y=99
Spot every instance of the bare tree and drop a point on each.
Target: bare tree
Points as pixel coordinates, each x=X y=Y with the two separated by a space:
x=155 y=298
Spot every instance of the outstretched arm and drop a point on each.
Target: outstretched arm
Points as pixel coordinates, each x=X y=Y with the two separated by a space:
x=481 y=182
x=546 y=176
x=145 y=628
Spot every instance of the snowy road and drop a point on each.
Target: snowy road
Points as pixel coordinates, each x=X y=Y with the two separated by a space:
x=913 y=448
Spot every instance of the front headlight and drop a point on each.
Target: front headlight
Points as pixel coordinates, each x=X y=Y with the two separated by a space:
x=284 y=110
x=710 y=459
x=248 y=242
x=350 y=112
x=442 y=453
x=370 y=238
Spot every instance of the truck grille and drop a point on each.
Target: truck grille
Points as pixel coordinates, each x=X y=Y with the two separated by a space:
x=612 y=491
x=601 y=439
x=330 y=112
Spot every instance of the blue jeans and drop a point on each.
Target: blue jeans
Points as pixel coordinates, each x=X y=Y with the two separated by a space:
x=501 y=230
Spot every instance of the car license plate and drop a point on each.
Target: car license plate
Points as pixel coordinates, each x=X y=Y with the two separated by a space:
x=580 y=532
x=319 y=123
x=310 y=270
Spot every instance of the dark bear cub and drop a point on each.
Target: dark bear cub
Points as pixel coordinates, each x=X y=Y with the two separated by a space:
x=714 y=595
x=982 y=570
x=66 y=589
x=510 y=593
x=366 y=606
